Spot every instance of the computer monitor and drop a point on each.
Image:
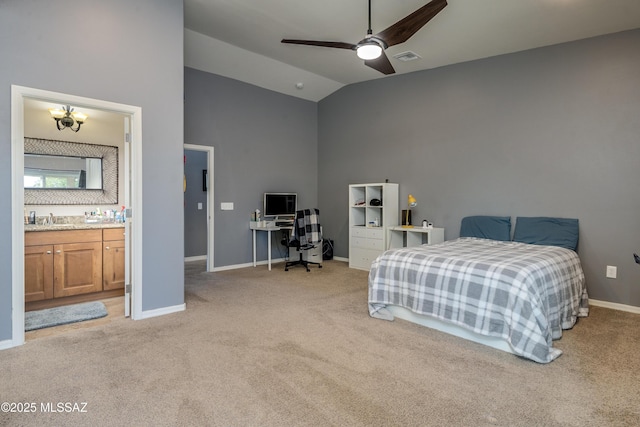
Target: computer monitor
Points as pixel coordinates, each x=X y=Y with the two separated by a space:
x=280 y=204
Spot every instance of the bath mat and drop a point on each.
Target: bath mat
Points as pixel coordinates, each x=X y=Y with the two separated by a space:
x=49 y=317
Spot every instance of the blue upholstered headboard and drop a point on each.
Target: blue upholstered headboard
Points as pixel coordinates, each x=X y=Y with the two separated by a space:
x=486 y=227
x=550 y=231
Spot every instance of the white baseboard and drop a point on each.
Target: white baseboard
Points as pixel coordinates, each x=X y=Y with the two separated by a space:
x=273 y=261
x=615 y=306
x=147 y=314
x=8 y=344
x=195 y=258
x=248 y=264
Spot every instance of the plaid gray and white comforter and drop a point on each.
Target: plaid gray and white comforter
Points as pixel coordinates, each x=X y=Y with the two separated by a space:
x=525 y=294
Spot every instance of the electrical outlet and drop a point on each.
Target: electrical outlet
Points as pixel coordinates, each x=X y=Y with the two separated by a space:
x=612 y=271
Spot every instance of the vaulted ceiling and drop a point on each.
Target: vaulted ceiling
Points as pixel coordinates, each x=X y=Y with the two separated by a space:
x=241 y=38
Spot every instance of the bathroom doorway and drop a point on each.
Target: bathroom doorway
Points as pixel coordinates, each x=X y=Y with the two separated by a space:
x=130 y=132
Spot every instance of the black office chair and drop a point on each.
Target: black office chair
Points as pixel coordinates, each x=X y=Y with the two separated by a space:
x=306 y=239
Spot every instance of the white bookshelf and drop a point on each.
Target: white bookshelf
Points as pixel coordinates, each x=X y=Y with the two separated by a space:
x=367 y=222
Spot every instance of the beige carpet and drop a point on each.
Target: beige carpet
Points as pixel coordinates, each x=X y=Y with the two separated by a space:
x=260 y=348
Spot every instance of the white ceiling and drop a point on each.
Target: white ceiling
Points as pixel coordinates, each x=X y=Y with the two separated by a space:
x=244 y=35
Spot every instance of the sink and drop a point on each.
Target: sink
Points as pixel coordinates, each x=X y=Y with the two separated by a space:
x=61 y=225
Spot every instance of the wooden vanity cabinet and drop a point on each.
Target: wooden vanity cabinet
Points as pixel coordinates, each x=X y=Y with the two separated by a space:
x=112 y=258
x=68 y=263
x=62 y=263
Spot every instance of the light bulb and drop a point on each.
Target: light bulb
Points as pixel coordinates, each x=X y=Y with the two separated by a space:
x=370 y=50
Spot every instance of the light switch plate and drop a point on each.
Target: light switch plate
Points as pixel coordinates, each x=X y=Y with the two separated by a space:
x=226 y=206
x=199 y=206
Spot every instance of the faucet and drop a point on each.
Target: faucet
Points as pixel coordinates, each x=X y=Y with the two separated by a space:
x=49 y=221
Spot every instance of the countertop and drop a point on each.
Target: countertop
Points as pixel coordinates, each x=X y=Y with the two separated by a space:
x=77 y=226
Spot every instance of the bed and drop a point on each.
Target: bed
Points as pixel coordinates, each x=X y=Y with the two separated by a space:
x=517 y=295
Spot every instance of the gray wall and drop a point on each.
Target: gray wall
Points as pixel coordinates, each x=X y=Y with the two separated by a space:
x=195 y=220
x=263 y=141
x=119 y=51
x=547 y=132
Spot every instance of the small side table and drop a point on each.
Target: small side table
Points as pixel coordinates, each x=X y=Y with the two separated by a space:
x=406 y=237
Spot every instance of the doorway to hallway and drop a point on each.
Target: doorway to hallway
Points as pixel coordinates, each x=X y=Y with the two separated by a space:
x=199 y=204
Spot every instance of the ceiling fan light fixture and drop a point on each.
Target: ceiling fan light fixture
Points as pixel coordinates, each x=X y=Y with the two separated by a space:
x=372 y=48
x=369 y=50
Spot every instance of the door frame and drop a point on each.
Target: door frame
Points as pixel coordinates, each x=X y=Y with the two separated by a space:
x=210 y=200
x=18 y=95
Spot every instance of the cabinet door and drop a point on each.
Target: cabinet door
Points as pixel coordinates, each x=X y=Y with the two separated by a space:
x=77 y=269
x=38 y=273
x=113 y=265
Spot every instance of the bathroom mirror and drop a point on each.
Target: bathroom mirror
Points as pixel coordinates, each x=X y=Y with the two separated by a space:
x=69 y=173
x=46 y=172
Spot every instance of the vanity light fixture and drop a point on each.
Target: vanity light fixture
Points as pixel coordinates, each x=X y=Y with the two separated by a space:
x=66 y=118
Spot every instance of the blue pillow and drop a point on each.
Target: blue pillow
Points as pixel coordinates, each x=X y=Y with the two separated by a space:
x=549 y=231
x=486 y=227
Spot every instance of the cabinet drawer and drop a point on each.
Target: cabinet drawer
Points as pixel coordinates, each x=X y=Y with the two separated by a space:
x=370 y=233
x=359 y=242
x=60 y=237
x=362 y=258
x=109 y=234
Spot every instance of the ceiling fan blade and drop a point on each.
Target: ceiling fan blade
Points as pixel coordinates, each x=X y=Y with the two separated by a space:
x=402 y=30
x=381 y=64
x=338 y=45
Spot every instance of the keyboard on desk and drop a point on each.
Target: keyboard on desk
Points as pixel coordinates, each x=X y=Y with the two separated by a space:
x=284 y=224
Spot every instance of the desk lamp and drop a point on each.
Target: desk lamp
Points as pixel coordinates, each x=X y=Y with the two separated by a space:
x=411 y=203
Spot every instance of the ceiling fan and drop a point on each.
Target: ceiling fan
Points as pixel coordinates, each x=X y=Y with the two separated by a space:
x=372 y=47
